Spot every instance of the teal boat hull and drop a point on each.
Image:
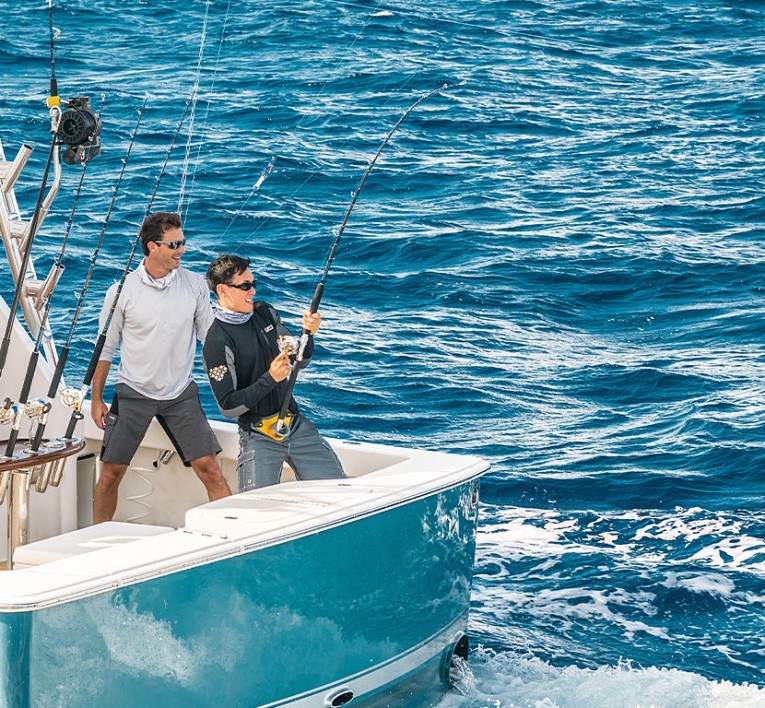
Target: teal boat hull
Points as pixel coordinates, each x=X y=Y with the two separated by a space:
x=341 y=615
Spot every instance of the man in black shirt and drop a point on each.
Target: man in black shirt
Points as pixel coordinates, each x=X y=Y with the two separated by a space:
x=248 y=374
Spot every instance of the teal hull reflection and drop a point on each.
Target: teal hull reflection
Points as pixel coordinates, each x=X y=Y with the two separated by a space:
x=358 y=606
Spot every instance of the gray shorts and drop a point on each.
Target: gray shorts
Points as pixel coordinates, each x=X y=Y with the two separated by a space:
x=182 y=418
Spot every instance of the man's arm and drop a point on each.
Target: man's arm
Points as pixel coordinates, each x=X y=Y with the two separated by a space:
x=98 y=409
x=219 y=360
x=203 y=313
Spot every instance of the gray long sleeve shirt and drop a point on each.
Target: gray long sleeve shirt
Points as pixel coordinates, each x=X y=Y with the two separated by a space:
x=156 y=329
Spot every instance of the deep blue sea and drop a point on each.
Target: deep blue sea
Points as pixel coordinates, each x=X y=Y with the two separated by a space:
x=557 y=266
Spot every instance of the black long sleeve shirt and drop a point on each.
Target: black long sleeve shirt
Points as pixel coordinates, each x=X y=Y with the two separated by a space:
x=237 y=358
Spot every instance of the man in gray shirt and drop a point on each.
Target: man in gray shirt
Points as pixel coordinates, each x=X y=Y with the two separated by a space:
x=161 y=312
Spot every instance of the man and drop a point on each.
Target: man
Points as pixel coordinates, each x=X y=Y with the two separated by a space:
x=162 y=310
x=248 y=375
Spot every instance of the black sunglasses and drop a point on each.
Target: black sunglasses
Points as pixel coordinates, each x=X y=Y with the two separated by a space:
x=246 y=285
x=172 y=245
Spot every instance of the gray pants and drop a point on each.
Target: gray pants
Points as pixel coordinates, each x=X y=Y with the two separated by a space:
x=307 y=452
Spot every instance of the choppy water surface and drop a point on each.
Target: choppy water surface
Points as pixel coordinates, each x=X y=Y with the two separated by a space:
x=557 y=266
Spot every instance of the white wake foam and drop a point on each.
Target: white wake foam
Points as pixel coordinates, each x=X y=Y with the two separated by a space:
x=507 y=680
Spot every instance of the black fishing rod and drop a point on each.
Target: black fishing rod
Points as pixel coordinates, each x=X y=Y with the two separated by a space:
x=64 y=354
x=54 y=104
x=55 y=119
x=76 y=413
x=58 y=267
x=76 y=127
x=280 y=428
x=55 y=275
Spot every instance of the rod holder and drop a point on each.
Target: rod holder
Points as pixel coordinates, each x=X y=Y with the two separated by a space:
x=15 y=168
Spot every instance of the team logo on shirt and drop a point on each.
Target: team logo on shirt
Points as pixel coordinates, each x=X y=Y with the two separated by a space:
x=218 y=372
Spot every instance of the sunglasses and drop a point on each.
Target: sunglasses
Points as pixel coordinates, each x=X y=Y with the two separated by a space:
x=246 y=285
x=172 y=245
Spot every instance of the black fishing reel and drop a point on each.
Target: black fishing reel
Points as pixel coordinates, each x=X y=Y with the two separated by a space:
x=80 y=131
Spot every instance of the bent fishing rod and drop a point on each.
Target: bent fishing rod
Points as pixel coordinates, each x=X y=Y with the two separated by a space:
x=64 y=354
x=78 y=397
x=281 y=428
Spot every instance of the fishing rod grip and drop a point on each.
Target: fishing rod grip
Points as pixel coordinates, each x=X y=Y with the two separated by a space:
x=317 y=295
x=58 y=373
x=4 y=352
x=38 y=436
x=27 y=385
x=279 y=426
x=14 y=435
x=94 y=359
x=75 y=418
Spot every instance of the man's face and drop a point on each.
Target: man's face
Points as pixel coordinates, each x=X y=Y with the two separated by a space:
x=165 y=255
x=238 y=299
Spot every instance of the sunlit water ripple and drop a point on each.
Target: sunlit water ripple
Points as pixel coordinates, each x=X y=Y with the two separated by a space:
x=557 y=266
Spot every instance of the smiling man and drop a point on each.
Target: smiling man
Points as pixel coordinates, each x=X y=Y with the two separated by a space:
x=161 y=312
x=248 y=365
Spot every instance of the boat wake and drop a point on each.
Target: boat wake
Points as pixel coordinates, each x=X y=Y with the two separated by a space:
x=505 y=679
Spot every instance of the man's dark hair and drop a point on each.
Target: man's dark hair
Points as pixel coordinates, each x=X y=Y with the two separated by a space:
x=154 y=227
x=225 y=267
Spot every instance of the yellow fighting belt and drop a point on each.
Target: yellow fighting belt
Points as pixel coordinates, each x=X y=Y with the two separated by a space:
x=267 y=426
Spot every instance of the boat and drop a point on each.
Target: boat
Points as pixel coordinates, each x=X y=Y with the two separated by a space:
x=306 y=594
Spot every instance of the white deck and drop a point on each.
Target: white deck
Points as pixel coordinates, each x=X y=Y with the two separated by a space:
x=96 y=559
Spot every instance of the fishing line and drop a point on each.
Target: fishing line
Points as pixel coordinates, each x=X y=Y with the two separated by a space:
x=370 y=15
x=207 y=113
x=80 y=396
x=194 y=96
x=265 y=173
x=253 y=191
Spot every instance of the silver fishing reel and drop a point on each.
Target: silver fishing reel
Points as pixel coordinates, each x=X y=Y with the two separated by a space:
x=36 y=408
x=289 y=344
x=7 y=412
x=71 y=397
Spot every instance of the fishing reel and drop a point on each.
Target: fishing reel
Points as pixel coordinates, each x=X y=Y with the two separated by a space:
x=80 y=130
x=7 y=412
x=36 y=408
x=289 y=344
x=71 y=397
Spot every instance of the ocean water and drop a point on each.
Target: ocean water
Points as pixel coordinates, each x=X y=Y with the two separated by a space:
x=556 y=265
